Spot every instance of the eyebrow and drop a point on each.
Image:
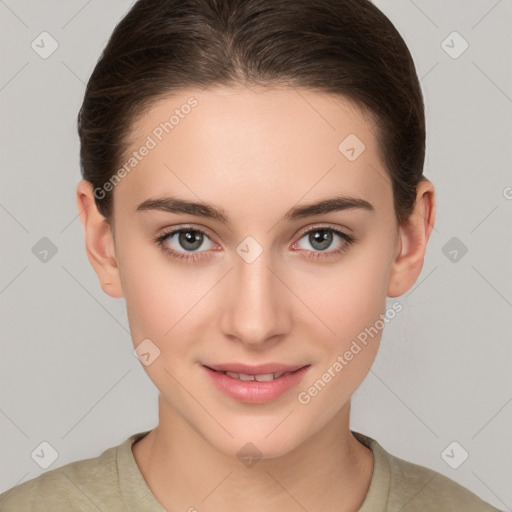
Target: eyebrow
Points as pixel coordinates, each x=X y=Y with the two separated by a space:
x=199 y=209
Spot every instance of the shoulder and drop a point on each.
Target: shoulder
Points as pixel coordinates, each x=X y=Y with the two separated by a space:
x=81 y=485
x=398 y=485
x=418 y=488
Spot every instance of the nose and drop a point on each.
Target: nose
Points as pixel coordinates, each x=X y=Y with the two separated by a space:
x=255 y=306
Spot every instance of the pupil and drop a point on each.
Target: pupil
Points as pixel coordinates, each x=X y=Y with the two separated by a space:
x=324 y=239
x=190 y=237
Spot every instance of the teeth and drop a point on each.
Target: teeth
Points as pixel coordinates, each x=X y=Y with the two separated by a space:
x=243 y=376
x=267 y=377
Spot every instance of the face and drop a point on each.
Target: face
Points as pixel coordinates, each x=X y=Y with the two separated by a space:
x=262 y=281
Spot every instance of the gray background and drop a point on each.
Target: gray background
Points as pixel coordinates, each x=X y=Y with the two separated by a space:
x=68 y=375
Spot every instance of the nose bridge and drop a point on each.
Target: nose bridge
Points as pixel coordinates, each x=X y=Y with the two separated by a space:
x=254 y=310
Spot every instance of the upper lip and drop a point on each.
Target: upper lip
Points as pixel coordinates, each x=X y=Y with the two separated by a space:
x=260 y=369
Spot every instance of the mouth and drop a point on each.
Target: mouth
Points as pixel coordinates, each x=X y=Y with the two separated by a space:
x=265 y=377
x=254 y=386
x=260 y=369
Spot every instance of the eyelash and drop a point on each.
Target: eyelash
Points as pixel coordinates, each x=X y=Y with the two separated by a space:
x=311 y=255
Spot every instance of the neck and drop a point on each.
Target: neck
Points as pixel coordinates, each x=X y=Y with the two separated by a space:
x=185 y=472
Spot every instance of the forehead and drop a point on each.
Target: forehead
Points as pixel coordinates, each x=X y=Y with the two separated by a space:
x=255 y=142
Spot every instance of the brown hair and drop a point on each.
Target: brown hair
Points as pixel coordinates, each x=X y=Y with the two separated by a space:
x=343 y=47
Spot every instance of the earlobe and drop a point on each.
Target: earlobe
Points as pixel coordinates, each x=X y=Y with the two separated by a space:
x=99 y=241
x=414 y=233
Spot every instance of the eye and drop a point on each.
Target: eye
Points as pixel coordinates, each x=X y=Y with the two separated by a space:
x=184 y=243
x=321 y=238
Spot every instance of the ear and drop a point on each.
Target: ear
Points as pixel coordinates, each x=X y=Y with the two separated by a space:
x=414 y=233
x=99 y=240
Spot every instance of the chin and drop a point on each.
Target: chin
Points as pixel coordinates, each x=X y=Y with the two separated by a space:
x=250 y=451
x=270 y=439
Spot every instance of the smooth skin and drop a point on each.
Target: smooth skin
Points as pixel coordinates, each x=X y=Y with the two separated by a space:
x=256 y=152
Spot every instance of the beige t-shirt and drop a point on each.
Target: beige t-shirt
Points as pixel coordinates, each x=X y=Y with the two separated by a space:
x=112 y=482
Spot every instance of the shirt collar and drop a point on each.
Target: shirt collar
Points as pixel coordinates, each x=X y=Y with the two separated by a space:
x=138 y=496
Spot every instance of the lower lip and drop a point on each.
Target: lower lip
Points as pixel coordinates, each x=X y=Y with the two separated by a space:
x=255 y=392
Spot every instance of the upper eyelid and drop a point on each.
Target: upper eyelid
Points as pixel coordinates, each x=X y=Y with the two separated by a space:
x=324 y=226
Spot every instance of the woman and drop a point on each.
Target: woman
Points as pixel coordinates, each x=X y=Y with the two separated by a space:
x=253 y=187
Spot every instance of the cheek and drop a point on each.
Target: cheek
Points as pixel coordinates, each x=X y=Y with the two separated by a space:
x=352 y=302
x=350 y=296
x=152 y=298
x=163 y=298
x=156 y=304
x=159 y=309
